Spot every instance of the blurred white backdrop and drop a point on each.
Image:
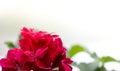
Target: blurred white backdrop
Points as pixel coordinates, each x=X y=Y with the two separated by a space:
x=91 y=23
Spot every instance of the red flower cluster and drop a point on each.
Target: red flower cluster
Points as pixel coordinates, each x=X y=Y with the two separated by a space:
x=39 y=51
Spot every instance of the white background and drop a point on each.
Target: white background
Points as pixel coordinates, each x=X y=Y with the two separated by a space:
x=91 y=23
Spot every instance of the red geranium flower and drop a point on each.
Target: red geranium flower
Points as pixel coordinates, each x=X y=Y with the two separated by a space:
x=39 y=51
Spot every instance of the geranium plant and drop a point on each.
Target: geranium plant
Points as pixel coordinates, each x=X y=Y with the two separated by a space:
x=37 y=51
x=42 y=51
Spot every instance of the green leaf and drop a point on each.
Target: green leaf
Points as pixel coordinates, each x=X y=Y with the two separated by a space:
x=10 y=44
x=88 y=67
x=102 y=68
x=94 y=55
x=106 y=59
x=75 y=49
x=19 y=37
x=74 y=64
x=67 y=53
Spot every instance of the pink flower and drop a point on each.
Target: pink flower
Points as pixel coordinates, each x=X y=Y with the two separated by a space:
x=39 y=51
